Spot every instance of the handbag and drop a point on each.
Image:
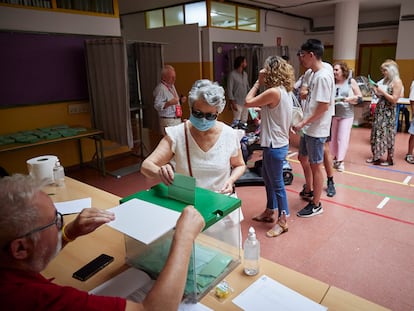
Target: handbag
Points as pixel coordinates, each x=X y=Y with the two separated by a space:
x=297 y=112
x=187 y=149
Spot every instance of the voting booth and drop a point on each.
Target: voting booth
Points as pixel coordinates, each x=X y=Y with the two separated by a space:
x=212 y=257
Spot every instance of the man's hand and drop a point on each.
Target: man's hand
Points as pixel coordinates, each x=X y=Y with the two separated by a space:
x=190 y=224
x=297 y=127
x=87 y=221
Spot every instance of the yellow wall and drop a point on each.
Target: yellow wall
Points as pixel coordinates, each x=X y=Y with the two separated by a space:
x=350 y=62
x=406 y=68
x=39 y=116
x=187 y=74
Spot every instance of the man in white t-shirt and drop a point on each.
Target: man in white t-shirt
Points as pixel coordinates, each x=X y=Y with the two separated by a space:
x=410 y=157
x=316 y=124
x=302 y=86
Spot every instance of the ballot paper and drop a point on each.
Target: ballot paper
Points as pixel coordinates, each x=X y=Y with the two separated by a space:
x=134 y=284
x=266 y=294
x=183 y=189
x=73 y=206
x=143 y=221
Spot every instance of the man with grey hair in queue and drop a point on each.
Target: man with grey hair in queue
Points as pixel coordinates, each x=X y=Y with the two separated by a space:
x=166 y=99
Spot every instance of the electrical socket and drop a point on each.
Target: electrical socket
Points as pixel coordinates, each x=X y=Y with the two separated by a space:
x=77 y=108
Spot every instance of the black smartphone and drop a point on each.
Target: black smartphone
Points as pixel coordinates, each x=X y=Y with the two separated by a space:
x=92 y=267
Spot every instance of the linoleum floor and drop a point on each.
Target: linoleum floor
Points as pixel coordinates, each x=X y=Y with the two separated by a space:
x=364 y=240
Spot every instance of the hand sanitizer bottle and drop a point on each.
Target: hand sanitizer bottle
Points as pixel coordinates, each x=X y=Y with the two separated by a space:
x=251 y=253
x=59 y=174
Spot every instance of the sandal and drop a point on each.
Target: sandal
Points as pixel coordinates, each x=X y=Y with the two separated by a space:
x=263 y=218
x=377 y=162
x=409 y=158
x=277 y=230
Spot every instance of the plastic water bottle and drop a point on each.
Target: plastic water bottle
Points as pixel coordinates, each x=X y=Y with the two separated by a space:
x=59 y=174
x=251 y=253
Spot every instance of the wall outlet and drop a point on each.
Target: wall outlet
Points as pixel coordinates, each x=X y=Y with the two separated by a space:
x=78 y=108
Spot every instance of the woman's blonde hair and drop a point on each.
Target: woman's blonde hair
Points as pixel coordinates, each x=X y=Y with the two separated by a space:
x=392 y=67
x=278 y=73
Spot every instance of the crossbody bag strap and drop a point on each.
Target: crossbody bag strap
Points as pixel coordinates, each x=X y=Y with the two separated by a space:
x=187 y=149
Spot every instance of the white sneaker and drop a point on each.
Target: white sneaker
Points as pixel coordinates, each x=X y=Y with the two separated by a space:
x=340 y=167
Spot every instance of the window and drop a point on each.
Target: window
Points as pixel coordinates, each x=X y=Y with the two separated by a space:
x=154 y=19
x=174 y=16
x=223 y=15
x=247 y=19
x=196 y=13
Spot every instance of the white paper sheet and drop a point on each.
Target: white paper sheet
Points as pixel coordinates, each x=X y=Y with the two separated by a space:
x=266 y=294
x=193 y=307
x=123 y=284
x=143 y=221
x=73 y=206
x=134 y=283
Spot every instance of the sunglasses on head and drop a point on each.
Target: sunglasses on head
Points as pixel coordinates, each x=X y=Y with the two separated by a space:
x=208 y=116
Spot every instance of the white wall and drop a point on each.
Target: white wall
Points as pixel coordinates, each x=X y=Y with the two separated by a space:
x=182 y=43
x=293 y=31
x=23 y=19
x=405 y=48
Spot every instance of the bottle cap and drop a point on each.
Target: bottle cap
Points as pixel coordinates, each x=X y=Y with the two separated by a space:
x=252 y=233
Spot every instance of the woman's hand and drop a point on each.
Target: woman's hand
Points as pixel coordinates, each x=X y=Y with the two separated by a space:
x=261 y=78
x=166 y=174
x=228 y=188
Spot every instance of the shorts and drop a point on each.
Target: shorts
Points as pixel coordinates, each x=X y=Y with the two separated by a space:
x=312 y=147
x=411 y=129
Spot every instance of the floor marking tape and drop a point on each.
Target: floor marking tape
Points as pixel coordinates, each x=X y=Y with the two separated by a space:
x=383 y=202
x=370 y=177
x=361 y=210
x=291 y=155
x=407 y=180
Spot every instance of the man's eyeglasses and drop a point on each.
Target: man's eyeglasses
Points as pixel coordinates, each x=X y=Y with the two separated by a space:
x=208 y=116
x=58 y=221
x=302 y=53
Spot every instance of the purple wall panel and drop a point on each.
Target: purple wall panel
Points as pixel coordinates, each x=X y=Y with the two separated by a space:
x=41 y=68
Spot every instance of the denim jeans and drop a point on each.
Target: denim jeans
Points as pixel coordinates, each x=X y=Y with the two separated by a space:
x=312 y=147
x=272 y=172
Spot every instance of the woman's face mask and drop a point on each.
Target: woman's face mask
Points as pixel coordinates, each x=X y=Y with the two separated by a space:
x=202 y=124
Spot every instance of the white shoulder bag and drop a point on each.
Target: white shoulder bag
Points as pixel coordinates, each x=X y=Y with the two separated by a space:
x=297 y=112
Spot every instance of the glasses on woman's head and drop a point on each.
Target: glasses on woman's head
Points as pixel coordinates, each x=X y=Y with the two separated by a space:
x=208 y=116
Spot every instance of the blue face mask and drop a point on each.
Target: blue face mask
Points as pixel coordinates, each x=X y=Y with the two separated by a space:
x=202 y=124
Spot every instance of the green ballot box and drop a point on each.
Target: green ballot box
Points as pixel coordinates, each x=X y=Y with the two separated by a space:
x=213 y=257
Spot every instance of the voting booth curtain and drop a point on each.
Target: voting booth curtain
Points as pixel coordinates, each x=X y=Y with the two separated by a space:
x=108 y=89
x=255 y=56
x=148 y=57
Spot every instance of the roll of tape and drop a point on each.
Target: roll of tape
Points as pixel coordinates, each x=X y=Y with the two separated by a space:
x=42 y=167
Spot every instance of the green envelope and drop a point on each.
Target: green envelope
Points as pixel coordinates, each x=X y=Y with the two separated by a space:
x=183 y=189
